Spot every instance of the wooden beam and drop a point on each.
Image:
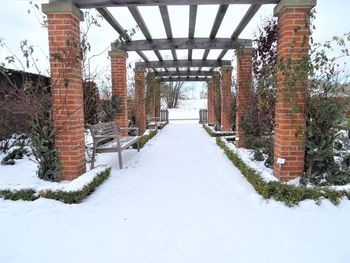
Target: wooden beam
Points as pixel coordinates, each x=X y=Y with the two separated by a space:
x=166 y=22
x=182 y=63
x=132 y=3
x=185 y=43
x=185 y=73
x=244 y=22
x=217 y=23
x=183 y=79
x=114 y=23
x=192 y=26
x=135 y=12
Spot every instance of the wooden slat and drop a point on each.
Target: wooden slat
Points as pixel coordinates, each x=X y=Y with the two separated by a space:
x=166 y=21
x=185 y=74
x=182 y=63
x=135 y=12
x=192 y=26
x=183 y=79
x=185 y=43
x=114 y=23
x=217 y=23
x=132 y=3
x=244 y=22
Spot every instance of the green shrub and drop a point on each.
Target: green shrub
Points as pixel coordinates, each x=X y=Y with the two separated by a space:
x=145 y=138
x=216 y=134
x=77 y=196
x=24 y=194
x=63 y=196
x=289 y=194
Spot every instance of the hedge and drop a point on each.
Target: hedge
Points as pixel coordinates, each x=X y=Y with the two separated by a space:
x=73 y=197
x=145 y=138
x=289 y=194
x=216 y=134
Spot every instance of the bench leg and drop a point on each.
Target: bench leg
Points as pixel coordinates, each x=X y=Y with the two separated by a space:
x=92 y=166
x=120 y=159
x=138 y=145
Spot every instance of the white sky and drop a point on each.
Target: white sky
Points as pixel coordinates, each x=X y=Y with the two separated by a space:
x=16 y=25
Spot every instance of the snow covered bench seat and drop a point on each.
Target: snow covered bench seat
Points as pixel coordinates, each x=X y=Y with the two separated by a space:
x=107 y=138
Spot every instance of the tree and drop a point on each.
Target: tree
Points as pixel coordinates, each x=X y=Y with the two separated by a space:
x=171 y=92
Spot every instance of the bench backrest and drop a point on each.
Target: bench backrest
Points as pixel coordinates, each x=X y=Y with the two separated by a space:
x=103 y=131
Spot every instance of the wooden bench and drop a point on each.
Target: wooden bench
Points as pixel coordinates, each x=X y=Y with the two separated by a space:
x=153 y=123
x=107 y=138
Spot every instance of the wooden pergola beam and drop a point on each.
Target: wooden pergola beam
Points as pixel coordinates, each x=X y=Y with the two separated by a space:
x=183 y=79
x=135 y=12
x=192 y=26
x=166 y=21
x=217 y=23
x=244 y=22
x=182 y=63
x=117 y=27
x=186 y=43
x=133 y=3
x=186 y=73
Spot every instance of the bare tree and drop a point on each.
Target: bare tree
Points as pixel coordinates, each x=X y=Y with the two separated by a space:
x=171 y=92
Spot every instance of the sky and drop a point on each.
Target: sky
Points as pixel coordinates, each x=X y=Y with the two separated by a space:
x=17 y=24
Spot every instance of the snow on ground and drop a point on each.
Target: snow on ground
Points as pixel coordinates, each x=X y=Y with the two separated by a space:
x=188 y=109
x=179 y=200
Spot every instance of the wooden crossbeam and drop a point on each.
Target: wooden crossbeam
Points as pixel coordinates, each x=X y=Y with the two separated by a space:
x=244 y=22
x=135 y=12
x=186 y=43
x=166 y=22
x=185 y=73
x=183 y=79
x=182 y=63
x=192 y=26
x=132 y=3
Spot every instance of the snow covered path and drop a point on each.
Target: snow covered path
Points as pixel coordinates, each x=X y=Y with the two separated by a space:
x=180 y=200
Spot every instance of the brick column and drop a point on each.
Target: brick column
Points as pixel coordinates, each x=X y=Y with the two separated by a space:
x=226 y=97
x=292 y=46
x=217 y=98
x=150 y=94
x=140 y=99
x=157 y=98
x=67 y=91
x=119 y=86
x=244 y=88
x=211 y=114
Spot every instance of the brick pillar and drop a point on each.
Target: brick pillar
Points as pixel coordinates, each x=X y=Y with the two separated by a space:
x=217 y=98
x=244 y=88
x=119 y=86
x=140 y=99
x=150 y=94
x=292 y=46
x=157 y=99
x=211 y=114
x=226 y=97
x=67 y=90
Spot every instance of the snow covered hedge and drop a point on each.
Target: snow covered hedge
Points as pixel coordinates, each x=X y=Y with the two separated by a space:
x=214 y=133
x=70 y=193
x=289 y=194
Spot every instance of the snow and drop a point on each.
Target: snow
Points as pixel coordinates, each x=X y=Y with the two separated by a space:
x=22 y=175
x=246 y=156
x=188 y=109
x=179 y=200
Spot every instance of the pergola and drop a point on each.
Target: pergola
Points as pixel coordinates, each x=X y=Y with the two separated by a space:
x=63 y=26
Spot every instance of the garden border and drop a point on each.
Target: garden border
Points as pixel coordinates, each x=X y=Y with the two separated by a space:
x=214 y=133
x=68 y=197
x=290 y=195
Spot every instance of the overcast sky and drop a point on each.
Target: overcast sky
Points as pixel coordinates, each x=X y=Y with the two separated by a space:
x=17 y=24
